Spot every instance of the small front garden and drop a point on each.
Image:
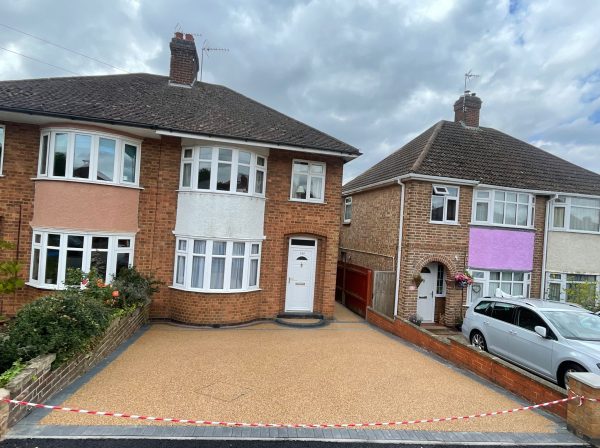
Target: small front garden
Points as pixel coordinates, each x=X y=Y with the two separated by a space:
x=68 y=322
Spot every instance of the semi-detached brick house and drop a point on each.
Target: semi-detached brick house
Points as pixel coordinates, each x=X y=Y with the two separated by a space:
x=465 y=197
x=233 y=205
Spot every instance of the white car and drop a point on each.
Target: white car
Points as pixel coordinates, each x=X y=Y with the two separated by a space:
x=548 y=338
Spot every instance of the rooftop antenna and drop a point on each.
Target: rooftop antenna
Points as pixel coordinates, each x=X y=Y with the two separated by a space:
x=206 y=50
x=468 y=77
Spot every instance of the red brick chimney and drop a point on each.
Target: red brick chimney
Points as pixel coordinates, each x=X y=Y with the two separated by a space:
x=466 y=109
x=184 y=59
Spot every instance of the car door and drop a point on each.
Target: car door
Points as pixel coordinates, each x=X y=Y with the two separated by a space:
x=527 y=347
x=498 y=326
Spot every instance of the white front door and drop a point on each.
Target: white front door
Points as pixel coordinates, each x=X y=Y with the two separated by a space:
x=302 y=262
x=426 y=293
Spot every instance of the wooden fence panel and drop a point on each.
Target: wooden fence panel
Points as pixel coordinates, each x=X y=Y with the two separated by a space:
x=384 y=289
x=354 y=287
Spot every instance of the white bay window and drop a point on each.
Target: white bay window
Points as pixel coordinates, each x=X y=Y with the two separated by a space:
x=217 y=266
x=223 y=170
x=489 y=283
x=54 y=252
x=503 y=208
x=576 y=214
x=559 y=285
x=88 y=156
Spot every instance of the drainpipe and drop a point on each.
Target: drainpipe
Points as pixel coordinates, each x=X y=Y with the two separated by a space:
x=398 y=257
x=544 y=249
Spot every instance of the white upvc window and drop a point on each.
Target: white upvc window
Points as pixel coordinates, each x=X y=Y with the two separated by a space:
x=2 y=136
x=575 y=214
x=559 y=284
x=347 y=210
x=487 y=283
x=53 y=252
x=89 y=157
x=503 y=208
x=209 y=265
x=444 y=204
x=308 y=181
x=217 y=169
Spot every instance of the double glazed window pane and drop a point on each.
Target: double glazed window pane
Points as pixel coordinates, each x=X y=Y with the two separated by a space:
x=316 y=187
x=61 y=142
x=180 y=275
x=585 y=219
x=451 y=210
x=437 y=208
x=98 y=261
x=51 y=275
x=106 y=159
x=559 y=217
x=510 y=214
x=554 y=291
x=243 y=177
x=74 y=259
x=43 y=154
x=81 y=156
x=481 y=211
x=224 y=176
x=300 y=186
x=35 y=264
x=499 y=212
x=260 y=176
x=129 y=163
x=204 y=175
x=198 y=272
x=237 y=273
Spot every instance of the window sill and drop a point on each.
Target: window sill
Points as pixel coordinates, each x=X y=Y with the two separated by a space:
x=347 y=223
x=304 y=201
x=45 y=287
x=84 y=181
x=585 y=232
x=501 y=226
x=444 y=223
x=229 y=193
x=214 y=291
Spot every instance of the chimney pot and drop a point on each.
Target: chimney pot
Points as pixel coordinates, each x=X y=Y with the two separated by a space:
x=466 y=109
x=185 y=63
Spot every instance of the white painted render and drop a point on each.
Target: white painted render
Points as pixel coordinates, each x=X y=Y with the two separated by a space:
x=572 y=252
x=215 y=215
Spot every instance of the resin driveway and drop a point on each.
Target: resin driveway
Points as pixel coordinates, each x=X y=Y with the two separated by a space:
x=347 y=371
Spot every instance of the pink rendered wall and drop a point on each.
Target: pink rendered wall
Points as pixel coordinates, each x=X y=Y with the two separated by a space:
x=501 y=249
x=81 y=206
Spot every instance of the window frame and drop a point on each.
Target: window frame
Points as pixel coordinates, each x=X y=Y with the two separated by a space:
x=563 y=281
x=438 y=190
x=194 y=163
x=347 y=205
x=491 y=200
x=482 y=279
x=112 y=254
x=565 y=202
x=2 y=148
x=208 y=255
x=309 y=175
x=46 y=165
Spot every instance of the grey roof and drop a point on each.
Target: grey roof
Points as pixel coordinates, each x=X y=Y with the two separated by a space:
x=145 y=100
x=486 y=155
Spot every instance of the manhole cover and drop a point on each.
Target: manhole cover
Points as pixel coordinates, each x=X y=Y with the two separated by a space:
x=225 y=392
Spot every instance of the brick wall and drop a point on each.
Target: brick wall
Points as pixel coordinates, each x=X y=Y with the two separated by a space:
x=38 y=382
x=506 y=375
x=423 y=243
x=538 y=248
x=374 y=228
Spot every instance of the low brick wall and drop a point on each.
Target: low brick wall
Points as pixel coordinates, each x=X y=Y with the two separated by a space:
x=518 y=381
x=38 y=382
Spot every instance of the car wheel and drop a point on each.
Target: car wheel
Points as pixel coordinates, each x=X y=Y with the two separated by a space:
x=565 y=370
x=478 y=341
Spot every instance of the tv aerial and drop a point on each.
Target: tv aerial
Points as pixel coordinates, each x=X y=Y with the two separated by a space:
x=206 y=49
x=468 y=76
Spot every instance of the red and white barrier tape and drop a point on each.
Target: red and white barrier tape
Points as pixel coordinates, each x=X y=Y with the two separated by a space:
x=293 y=425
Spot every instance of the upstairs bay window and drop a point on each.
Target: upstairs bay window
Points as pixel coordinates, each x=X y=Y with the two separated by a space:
x=308 y=181
x=444 y=204
x=55 y=252
x=503 y=208
x=223 y=169
x=89 y=156
x=576 y=214
x=216 y=266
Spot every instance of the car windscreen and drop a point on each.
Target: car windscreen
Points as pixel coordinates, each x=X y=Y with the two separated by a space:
x=575 y=325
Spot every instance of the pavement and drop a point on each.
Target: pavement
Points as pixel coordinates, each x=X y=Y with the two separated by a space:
x=348 y=371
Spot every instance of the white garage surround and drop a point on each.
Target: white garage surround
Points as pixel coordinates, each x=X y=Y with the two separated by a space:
x=220 y=215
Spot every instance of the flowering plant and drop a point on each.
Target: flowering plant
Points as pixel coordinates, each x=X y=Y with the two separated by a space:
x=463 y=279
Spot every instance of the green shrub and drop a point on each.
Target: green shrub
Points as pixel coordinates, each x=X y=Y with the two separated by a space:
x=9 y=374
x=63 y=323
x=135 y=289
x=584 y=294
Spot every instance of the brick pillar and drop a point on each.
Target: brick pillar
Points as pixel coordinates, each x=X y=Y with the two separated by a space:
x=584 y=420
x=3 y=413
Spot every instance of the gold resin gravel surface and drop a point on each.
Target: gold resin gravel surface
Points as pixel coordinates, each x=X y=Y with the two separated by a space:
x=344 y=372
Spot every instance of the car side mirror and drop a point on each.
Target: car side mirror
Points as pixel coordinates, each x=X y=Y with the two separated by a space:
x=541 y=331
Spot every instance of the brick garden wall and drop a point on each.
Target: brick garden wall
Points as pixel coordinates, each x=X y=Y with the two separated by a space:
x=38 y=382
x=374 y=228
x=504 y=374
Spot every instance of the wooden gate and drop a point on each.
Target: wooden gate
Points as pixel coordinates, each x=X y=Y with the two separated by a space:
x=354 y=287
x=384 y=291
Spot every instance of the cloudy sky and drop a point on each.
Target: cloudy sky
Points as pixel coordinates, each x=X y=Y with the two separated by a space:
x=372 y=73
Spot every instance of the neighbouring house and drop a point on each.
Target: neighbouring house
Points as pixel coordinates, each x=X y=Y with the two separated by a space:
x=462 y=197
x=233 y=205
